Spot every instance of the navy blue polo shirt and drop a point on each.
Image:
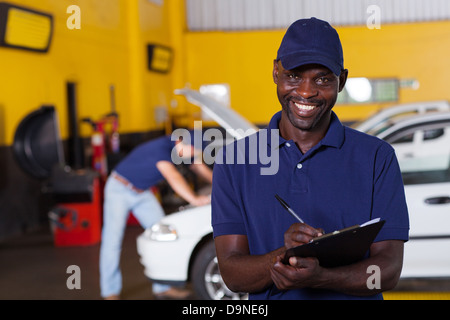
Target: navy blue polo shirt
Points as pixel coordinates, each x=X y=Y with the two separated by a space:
x=348 y=178
x=139 y=166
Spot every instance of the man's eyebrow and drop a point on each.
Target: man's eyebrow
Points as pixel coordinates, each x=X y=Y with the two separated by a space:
x=324 y=73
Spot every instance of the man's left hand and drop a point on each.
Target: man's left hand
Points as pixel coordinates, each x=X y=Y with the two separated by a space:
x=300 y=273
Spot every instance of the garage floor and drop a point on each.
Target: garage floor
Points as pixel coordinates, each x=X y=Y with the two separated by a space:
x=31 y=267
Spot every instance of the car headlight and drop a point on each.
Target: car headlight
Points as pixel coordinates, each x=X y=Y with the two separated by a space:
x=162 y=232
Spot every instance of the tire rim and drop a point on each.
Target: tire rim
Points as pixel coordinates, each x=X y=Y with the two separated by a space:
x=216 y=287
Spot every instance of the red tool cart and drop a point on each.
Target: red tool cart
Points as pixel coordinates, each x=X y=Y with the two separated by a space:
x=75 y=219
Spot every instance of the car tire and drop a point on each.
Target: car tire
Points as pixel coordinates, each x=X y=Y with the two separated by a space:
x=206 y=279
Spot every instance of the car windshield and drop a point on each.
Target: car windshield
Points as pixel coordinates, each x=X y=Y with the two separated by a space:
x=386 y=123
x=381 y=120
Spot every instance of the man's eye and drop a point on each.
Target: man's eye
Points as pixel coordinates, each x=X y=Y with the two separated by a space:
x=322 y=80
x=292 y=76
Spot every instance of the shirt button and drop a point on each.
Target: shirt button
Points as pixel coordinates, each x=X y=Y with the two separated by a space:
x=288 y=144
x=299 y=166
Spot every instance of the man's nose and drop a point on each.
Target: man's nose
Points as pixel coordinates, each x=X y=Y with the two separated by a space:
x=307 y=89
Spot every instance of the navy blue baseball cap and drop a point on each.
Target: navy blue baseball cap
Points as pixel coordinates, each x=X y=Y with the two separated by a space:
x=309 y=41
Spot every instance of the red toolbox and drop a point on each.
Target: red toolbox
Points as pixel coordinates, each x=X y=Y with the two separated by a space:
x=77 y=221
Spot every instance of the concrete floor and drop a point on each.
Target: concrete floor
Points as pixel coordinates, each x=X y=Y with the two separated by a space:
x=32 y=268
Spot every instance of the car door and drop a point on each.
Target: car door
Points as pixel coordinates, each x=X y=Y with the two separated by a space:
x=426 y=176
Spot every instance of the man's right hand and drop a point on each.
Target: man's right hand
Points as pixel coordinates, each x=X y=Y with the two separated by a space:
x=300 y=233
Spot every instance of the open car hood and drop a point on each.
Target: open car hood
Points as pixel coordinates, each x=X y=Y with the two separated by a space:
x=229 y=119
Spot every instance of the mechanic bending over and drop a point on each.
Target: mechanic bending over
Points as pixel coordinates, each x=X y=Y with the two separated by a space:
x=128 y=189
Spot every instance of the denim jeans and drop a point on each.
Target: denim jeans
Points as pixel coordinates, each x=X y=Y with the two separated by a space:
x=119 y=201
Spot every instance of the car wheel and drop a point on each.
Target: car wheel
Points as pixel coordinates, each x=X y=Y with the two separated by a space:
x=206 y=279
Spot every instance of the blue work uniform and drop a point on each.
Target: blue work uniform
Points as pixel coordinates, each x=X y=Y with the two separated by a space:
x=139 y=169
x=139 y=166
x=348 y=178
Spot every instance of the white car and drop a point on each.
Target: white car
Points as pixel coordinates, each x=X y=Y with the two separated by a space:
x=422 y=145
x=385 y=118
x=420 y=142
x=180 y=247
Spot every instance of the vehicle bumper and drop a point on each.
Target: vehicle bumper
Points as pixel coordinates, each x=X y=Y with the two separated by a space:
x=166 y=261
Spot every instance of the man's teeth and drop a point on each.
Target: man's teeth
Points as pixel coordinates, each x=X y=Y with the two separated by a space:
x=303 y=106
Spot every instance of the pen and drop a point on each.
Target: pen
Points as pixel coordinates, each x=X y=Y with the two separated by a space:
x=286 y=206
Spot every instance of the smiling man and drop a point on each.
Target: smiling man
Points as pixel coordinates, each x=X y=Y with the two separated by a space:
x=332 y=176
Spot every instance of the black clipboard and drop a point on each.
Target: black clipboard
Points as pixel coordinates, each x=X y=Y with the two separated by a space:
x=339 y=248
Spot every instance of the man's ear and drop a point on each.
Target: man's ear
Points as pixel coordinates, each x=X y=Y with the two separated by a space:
x=275 y=71
x=343 y=79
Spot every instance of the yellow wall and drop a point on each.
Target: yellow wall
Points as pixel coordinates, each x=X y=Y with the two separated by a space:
x=244 y=60
x=404 y=51
x=109 y=49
